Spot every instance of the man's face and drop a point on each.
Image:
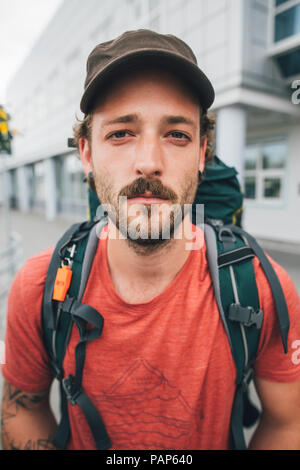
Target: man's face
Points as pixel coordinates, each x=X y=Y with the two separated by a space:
x=145 y=146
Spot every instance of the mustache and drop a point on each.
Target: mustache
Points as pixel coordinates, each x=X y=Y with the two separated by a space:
x=141 y=185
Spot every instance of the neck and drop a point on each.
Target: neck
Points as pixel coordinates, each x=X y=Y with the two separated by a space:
x=149 y=271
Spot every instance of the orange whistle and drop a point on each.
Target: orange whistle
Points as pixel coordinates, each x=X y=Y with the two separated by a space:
x=62 y=283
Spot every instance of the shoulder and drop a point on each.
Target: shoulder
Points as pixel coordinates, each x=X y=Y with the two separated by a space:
x=27 y=287
x=26 y=364
x=271 y=363
x=33 y=272
x=39 y=261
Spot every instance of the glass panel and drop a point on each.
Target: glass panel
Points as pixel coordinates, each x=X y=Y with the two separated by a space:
x=287 y=23
x=274 y=155
x=280 y=2
x=250 y=187
x=289 y=63
x=272 y=187
x=251 y=157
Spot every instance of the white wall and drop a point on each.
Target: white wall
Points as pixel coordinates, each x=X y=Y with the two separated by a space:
x=229 y=38
x=259 y=71
x=46 y=90
x=214 y=31
x=280 y=221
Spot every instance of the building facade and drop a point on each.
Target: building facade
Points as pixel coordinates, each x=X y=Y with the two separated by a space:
x=249 y=48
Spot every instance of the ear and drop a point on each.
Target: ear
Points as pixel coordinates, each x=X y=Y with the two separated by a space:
x=203 y=147
x=85 y=155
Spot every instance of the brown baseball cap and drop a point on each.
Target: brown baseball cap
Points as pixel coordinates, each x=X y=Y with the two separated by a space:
x=135 y=48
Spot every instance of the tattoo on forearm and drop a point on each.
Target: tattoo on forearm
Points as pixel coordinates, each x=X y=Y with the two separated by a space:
x=13 y=400
x=40 y=444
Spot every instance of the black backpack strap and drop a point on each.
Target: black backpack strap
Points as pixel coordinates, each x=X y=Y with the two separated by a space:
x=232 y=272
x=277 y=292
x=83 y=315
x=82 y=238
x=212 y=259
x=56 y=324
x=239 y=306
x=51 y=310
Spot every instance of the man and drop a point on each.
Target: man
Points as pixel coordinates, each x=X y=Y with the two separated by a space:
x=162 y=374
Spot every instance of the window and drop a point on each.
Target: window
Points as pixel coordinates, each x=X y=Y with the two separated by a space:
x=265 y=170
x=289 y=63
x=287 y=20
x=280 y=2
x=286 y=37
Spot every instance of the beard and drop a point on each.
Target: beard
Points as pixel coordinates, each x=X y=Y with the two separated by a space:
x=146 y=228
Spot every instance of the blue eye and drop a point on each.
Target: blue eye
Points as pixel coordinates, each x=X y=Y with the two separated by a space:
x=119 y=134
x=179 y=135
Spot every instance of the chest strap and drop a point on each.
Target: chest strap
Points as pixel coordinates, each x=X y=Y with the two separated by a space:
x=83 y=315
x=89 y=323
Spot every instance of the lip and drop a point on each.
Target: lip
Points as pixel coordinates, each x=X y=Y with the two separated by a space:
x=147 y=200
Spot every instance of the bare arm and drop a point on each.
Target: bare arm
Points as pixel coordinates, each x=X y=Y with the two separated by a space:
x=279 y=428
x=27 y=422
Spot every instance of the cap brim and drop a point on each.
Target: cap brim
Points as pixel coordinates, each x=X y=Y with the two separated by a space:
x=182 y=67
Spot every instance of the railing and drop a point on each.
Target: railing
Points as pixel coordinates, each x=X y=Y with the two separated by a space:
x=10 y=261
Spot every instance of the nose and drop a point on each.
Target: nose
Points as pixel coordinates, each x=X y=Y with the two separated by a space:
x=148 y=158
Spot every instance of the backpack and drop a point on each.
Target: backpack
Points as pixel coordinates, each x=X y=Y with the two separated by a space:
x=230 y=251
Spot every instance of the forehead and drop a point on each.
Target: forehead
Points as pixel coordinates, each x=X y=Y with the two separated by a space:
x=145 y=84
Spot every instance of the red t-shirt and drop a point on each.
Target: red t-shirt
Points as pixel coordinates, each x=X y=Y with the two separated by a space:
x=162 y=373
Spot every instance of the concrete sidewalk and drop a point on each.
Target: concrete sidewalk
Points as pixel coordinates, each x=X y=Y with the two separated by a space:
x=38 y=234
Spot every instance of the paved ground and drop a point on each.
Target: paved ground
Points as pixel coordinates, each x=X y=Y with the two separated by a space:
x=37 y=234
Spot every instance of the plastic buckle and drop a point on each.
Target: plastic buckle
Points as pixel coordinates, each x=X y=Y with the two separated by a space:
x=255 y=318
x=246 y=315
x=71 y=393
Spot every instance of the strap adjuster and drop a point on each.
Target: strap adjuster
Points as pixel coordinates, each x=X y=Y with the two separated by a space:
x=247 y=377
x=71 y=392
x=246 y=315
x=228 y=239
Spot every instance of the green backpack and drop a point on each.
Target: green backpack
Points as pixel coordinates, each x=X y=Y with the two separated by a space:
x=230 y=251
